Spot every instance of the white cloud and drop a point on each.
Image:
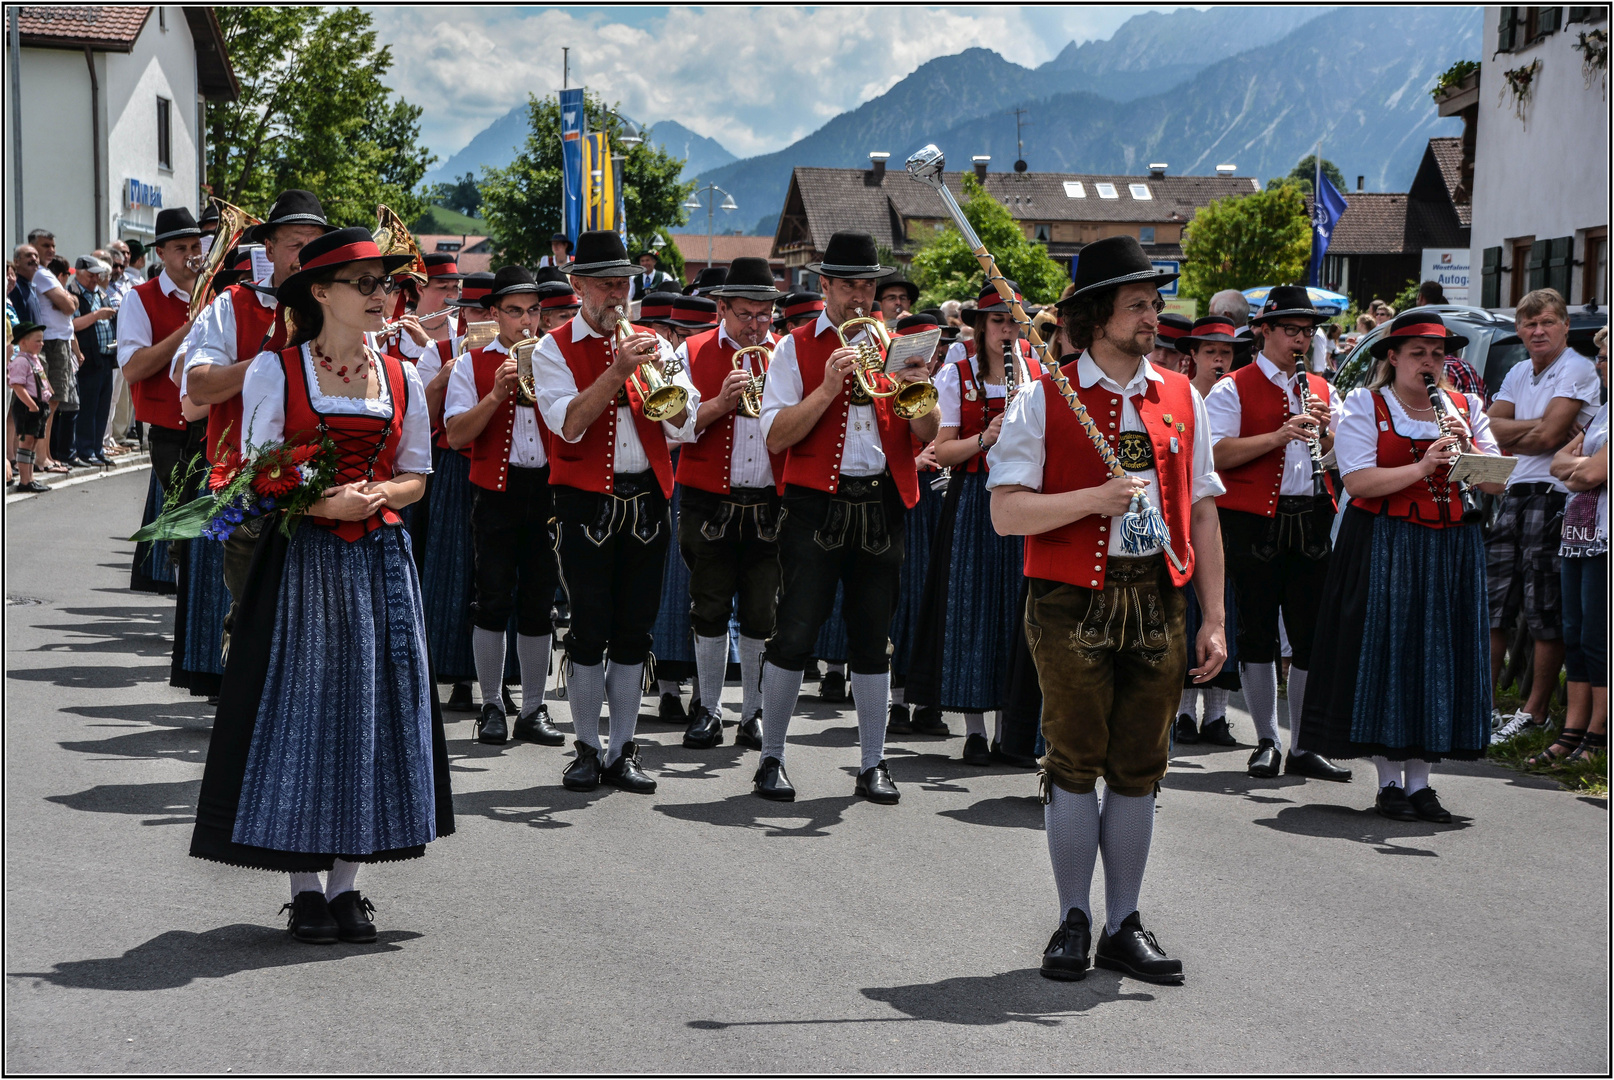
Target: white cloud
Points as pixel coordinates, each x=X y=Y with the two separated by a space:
x=754 y=78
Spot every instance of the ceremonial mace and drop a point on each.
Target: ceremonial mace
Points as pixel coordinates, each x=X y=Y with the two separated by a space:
x=1142 y=526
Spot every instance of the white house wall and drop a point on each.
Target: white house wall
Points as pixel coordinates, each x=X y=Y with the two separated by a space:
x=162 y=63
x=57 y=181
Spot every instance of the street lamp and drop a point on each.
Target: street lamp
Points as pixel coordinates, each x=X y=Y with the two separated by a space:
x=694 y=203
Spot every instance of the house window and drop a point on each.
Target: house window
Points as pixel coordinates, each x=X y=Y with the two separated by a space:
x=1075 y=190
x=1594 y=268
x=1519 y=271
x=165 y=134
x=1522 y=26
x=1587 y=14
x=1042 y=235
x=1140 y=191
x=1145 y=234
x=1106 y=191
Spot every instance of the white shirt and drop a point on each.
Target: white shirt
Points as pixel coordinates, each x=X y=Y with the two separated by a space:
x=431 y=360
x=1018 y=456
x=216 y=342
x=526 y=441
x=134 y=324
x=263 y=404
x=1571 y=375
x=1356 y=443
x=58 y=324
x=862 y=455
x=557 y=389
x=749 y=466
x=950 y=391
x=1226 y=414
x=176 y=366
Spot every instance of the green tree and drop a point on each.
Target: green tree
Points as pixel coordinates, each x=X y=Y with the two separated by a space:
x=1305 y=173
x=944 y=268
x=313 y=113
x=522 y=201
x=462 y=195
x=1242 y=241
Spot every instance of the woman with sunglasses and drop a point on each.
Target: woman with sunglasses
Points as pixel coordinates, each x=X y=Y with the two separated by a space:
x=328 y=749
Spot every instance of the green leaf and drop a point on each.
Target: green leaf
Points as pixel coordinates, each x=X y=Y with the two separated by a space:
x=944 y=268
x=184 y=522
x=1242 y=241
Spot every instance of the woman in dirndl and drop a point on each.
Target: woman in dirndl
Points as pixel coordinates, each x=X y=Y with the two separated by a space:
x=328 y=749
x=1402 y=658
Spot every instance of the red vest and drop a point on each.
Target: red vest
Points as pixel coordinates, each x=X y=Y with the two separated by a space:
x=356 y=437
x=1077 y=553
x=490 y=451
x=445 y=353
x=586 y=463
x=1254 y=487
x=1427 y=501
x=705 y=464
x=974 y=415
x=156 y=398
x=258 y=329
x=815 y=461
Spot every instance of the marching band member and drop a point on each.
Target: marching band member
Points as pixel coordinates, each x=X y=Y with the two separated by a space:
x=655 y=310
x=515 y=568
x=1275 y=529
x=1165 y=355
x=430 y=322
x=1403 y=628
x=849 y=471
x=797 y=309
x=896 y=298
x=327 y=751
x=560 y=252
x=613 y=477
x=728 y=523
x=1106 y=625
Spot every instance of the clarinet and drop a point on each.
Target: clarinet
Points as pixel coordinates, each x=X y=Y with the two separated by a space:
x=1473 y=508
x=1011 y=380
x=1314 y=442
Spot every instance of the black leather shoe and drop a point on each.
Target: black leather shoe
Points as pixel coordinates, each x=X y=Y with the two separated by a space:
x=1427 y=805
x=625 y=773
x=1019 y=761
x=832 y=687
x=459 y=699
x=537 y=727
x=928 y=721
x=899 y=722
x=491 y=727
x=1185 y=730
x=976 y=751
x=1135 y=952
x=352 y=914
x=1393 y=804
x=1217 y=733
x=310 y=919
x=1306 y=763
x=671 y=710
x=705 y=730
x=1065 y=958
x=750 y=733
x=1266 y=759
x=584 y=773
x=875 y=785
x=771 y=782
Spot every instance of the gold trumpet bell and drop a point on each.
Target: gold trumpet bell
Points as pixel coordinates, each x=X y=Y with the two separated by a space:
x=660 y=398
x=910 y=401
x=914 y=400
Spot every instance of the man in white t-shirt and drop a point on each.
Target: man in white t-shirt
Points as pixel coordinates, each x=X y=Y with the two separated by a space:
x=54 y=308
x=1536 y=412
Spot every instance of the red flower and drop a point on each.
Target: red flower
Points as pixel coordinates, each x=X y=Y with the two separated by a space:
x=298 y=455
x=226 y=470
x=276 y=478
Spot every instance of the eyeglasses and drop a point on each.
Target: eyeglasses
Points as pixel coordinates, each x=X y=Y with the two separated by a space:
x=1291 y=329
x=761 y=316
x=1138 y=307
x=518 y=312
x=367 y=284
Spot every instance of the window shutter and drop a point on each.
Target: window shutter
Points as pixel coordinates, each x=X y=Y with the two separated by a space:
x=1507 y=29
x=1560 y=262
x=1491 y=278
x=1537 y=266
x=1548 y=20
x=1582 y=14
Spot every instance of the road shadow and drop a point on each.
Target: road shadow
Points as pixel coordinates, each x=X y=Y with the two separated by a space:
x=134 y=630
x=1240 y=783
x=187 y=744
x=194 y=713
x=676 y=761
x=100 y=677
x=941 y=772
x=534 y=807
x=161 y=803
x=830 y=736
x=805 y=817
x=1004 y=812
x=1361 y=827
x=177 y=958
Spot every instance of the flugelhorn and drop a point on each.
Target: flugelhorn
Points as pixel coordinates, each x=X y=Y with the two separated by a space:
x=660 y=399
x=911 y=400
x=526 y=389
x=233 y=221
x=751 y=397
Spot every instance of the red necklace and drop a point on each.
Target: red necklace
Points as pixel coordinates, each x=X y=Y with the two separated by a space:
x=359 y=370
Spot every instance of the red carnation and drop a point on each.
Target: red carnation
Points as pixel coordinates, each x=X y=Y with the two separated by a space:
x=275 y=479
x=226 y=470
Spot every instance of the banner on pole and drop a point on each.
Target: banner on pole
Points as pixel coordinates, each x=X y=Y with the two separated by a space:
x=1326 y=209
x=573 y=174
x=599 y=185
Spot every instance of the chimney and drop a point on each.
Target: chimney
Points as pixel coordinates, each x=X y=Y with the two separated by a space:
x=1360 y=183
x=1226 y=170
x=877 y=160
x=981 y=161
x=1157 y=170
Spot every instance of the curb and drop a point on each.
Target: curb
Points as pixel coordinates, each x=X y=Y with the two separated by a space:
x=137 y=462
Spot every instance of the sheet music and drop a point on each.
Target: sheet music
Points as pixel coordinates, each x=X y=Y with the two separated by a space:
x=477 y=335
x=913 y=350
x=1482 y=468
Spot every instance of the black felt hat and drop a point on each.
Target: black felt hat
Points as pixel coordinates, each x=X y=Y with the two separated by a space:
x=512 y=279
x=988 y=302
x=852 y=256
x=601 y=253
x=1171 y=329
x=210 y=215
x=1112 y=262
x=656 y=307
x=175 y=224
x=748 y=278
x=319 y=256
x=294 y=207
x=1213 y=328
x=895 y=283
x=914 y=324
x=474 y=292
x=442 y=265
x=23 y=329
x=560 y=238
x=712 y=277
x=1417 y=323
x=1287 y=301
x=693 y=313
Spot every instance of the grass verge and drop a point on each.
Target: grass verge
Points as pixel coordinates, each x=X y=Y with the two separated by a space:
x=1589 y=776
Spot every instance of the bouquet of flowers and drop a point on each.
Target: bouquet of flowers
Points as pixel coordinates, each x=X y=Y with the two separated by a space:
x=289 y=479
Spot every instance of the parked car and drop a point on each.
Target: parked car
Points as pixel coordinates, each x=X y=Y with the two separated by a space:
x=1493 y=346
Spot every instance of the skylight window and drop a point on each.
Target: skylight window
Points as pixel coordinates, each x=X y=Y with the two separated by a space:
x=1106 y=191
x=1075 y=190
x=1140 y=191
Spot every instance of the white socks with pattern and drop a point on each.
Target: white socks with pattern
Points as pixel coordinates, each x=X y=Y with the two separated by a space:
x=487 y=650
x=871 y=695
x=344 y=877
x=1126 y=829
x=711 y=665
x=750 y=676
x=780 y=689
x=1072 y=824
x=1261 y=697
x=532 y=650
x=1297 y=705
x=585 y=697
x=622 y=682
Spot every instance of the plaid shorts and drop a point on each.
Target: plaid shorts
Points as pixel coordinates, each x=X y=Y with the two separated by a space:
x=1521 y=563
x=62 y=375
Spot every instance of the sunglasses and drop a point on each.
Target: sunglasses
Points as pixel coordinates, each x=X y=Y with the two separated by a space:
x=368 y=284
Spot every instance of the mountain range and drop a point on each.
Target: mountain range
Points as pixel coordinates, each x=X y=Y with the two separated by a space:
x=497 y=145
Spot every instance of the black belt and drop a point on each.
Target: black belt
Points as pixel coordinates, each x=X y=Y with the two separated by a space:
x=740 y=496
x=628 y=485
x=1296 y=504
x=1526 y=490
x=862 y=488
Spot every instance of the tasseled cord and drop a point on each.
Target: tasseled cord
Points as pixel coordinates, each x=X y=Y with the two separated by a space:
x=1142 y=528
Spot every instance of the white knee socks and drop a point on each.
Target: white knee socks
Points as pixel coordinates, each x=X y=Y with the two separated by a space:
x=871 y=694
x=1389 y=772
x=344 y=877
x=1297 y=705
x=585 y=693
x=622 y=691
x=975 y=724
x=1188 y=705
x=305 y=881
x=1416 y=774
x=667 y=686
x=487 y=650
x=1261 y=695
x=1215 y=703
x=750 y=676
x=1126 y=828
x=1072 y=823
x=533 y=653
x=780 y=689
x=711 y=665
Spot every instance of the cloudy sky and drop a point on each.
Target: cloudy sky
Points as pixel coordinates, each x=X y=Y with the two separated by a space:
x=753 y=78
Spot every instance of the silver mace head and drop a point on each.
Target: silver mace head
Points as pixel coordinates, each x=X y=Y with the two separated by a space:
x=926 y=164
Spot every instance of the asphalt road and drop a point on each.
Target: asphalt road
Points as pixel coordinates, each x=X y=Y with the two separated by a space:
x=702 y=929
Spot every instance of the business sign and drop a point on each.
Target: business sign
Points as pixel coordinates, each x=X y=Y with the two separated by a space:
x=139 y=193
x=1447 y=267
x=1167 y=266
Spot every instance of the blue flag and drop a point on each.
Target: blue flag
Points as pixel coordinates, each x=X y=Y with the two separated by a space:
x=1326 y=208
x=571 y=155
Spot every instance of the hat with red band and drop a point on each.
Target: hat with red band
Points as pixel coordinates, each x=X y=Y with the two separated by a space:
x=798 y=304
x=556 y=294
x=990 y=302
x=338 y=248
x=1416 y=324
x=474 y=291
x=656 y=307
x=1172 y=327
x=1213 y=328
x=442 y=265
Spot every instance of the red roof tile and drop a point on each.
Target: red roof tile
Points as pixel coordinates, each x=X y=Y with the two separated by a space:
x=89 y=24
x=725 y=249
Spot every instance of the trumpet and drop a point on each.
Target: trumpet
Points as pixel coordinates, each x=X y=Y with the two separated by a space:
x=526 y=389
x=233 y=221
x=659 y=397
x=1473 y=508
x=911 y=400
x=751 y=397
x=1314 y=441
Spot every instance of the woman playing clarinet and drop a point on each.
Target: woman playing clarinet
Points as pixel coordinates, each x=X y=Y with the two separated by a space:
x=1402 y=669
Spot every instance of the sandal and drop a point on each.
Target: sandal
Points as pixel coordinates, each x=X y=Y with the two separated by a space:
x=1573 y=738
x=1595 y=742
